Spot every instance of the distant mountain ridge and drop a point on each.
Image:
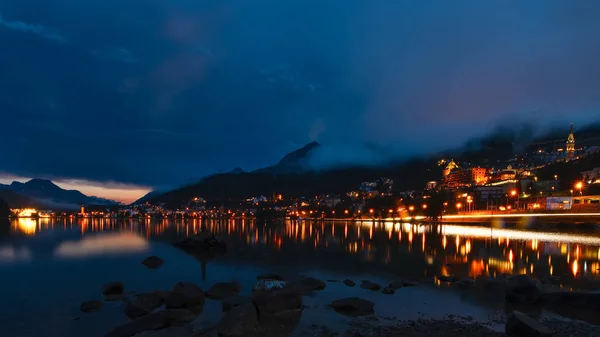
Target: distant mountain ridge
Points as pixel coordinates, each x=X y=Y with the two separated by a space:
x=44 y=193
x=294 y=162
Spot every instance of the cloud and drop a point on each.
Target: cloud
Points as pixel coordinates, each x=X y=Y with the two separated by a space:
x=10 y=254
x=40 y=30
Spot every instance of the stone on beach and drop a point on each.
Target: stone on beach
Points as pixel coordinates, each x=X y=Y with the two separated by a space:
x=143 y=305
x=202 y=242
x=521 y=325
x=466 y=283
x=521 y=289
x=179 y=316
x=153 y=321
x=370 y=285
x=91 y=306
x=240 y=321
x=222 y=290
x=234 y=301
x=396 y=284
x=306 y=285
x=185 y=294
x=113 y=289
x=275 y=302
x=153 y=262
x=353 y=306
x=349 y=283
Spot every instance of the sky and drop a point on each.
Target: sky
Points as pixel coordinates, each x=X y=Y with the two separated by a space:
x=119 y=97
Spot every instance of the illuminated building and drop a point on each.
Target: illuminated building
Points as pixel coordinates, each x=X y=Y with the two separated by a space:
x=571 y=145
x=591 y=175
x=451 y=166
x=82 y=209
x=466 y=177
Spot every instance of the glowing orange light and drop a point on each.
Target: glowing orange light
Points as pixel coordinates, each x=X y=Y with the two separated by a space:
x=458 y=205
x=513 y=192
x=424 y=206
x=371 y=210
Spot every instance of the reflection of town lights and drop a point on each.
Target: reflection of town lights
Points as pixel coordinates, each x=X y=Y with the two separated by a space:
x=575 y=267
x=510 y=256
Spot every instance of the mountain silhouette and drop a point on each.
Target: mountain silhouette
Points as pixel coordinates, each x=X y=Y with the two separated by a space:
x=294 y=162
x=44 y=193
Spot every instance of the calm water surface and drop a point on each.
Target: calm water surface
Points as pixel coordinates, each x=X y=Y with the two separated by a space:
x=48 y=267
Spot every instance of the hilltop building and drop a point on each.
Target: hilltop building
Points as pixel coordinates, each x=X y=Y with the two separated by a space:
x=466 y=177
x=570 y=145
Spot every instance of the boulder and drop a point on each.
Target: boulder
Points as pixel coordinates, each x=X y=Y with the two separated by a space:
x=234 y=301
x=268 y=285
x=275 y=302
x=388 y=291
x=113 y=289
x=143 y=304
x=521 y=325
x=353 y=306
x=222 y=290
x=490 y=283
x=521 y=289
x=179 y=316
x=153 y=321
x=185 y=294
x=306 y=285
x=349 y=283
x=90 y=306
x=202 y=242
x=370 y=285
x=153 y=262
x=240 y=321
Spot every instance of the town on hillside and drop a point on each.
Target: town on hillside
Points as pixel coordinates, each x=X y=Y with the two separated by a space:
x=563 y=177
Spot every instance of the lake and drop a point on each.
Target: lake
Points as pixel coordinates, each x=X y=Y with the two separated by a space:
x=49 y=266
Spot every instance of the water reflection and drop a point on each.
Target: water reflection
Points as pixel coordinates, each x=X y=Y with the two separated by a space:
x=103 y=244
x=412 y=250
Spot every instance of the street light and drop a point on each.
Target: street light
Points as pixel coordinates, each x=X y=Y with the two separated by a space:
x=579 y=186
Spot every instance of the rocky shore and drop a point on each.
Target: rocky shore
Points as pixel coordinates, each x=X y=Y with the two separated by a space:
x=276 y=302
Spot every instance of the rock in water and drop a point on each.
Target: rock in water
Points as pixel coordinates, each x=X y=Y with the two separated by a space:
x=91 y=306
x=521 y=325
x=185 y=294
x=150 y=322
x=521 y=289
x=143 y=305
x=353 y=306
x=370 y=285
x=466 y=283
x=153 y=262
x=306 y=285
x=267 y=285
x=113 y=288
x=349 y=283
x=240 y=321
x=278 y=301
x=388 y=291
x=222 y=290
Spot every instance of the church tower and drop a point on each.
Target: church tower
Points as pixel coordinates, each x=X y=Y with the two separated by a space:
x=571 y=145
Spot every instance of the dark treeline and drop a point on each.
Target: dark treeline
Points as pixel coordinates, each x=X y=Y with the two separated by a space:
x=4 y=209
x=410 y=175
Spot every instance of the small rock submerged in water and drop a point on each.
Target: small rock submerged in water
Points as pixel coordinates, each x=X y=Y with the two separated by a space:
x=113 y=289
x=353 y=306
x=153 y=262
x=222 y=290
x=143 y=304
x=185 y=294
x=370 y=285
x=349 y=283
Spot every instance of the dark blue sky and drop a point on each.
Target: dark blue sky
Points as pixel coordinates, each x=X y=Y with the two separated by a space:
x=156 y=92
